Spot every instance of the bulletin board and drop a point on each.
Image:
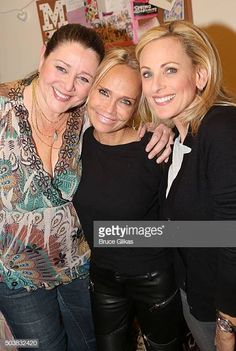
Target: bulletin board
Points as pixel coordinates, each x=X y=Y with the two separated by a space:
x=119 y=23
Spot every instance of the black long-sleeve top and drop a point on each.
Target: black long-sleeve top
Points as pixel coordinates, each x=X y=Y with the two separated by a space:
x=205 y=189
x=120 y=183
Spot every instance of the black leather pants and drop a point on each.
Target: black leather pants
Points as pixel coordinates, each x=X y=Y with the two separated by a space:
x=152 y=299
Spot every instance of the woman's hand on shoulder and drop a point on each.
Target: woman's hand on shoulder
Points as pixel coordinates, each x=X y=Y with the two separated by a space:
x=160 y=143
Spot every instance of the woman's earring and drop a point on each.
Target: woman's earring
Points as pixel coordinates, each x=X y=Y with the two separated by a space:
x=133 y=124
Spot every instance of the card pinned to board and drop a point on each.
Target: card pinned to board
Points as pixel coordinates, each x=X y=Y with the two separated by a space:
x=164 y=4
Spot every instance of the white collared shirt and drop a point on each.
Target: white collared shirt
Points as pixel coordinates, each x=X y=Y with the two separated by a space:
x=178 y=154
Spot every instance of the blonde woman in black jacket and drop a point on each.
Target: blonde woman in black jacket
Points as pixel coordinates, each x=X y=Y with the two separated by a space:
x=182 y=83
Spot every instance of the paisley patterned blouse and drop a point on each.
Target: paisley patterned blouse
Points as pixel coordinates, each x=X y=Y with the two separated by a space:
x=41 y=243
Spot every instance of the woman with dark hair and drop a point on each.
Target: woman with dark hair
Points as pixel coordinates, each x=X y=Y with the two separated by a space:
x=44 y=257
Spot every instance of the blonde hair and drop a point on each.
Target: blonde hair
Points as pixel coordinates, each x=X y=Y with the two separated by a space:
x=114 y=57
x=203 y=53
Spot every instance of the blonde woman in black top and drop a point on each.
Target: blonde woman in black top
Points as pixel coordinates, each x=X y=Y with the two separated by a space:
x=182 y=84
x=119 y=182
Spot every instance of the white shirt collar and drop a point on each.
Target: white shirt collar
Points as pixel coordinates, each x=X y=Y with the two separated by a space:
x=179 y=150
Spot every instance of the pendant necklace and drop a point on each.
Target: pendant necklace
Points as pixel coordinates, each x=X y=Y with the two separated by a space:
x=39 y=113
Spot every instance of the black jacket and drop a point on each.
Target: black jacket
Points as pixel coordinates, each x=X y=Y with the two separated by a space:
x=205 y=189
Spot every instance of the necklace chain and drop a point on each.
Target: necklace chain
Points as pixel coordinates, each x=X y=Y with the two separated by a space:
x=38 y=112
x=43 y=141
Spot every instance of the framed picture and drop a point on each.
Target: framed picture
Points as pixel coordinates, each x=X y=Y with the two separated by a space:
x=177 y=10
x=181 y=10
x=147 y=14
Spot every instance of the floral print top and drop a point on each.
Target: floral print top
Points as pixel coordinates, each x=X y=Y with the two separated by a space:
x=41 y=243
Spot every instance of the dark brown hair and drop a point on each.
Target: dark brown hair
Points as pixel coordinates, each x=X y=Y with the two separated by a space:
x=74 y=32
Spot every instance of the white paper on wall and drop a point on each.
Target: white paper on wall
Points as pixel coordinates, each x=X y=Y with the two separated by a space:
x=108 y=6
x=164 y=4
x=72 y=5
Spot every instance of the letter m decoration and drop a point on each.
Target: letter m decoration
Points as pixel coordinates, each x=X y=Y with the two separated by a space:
x=52 y=15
